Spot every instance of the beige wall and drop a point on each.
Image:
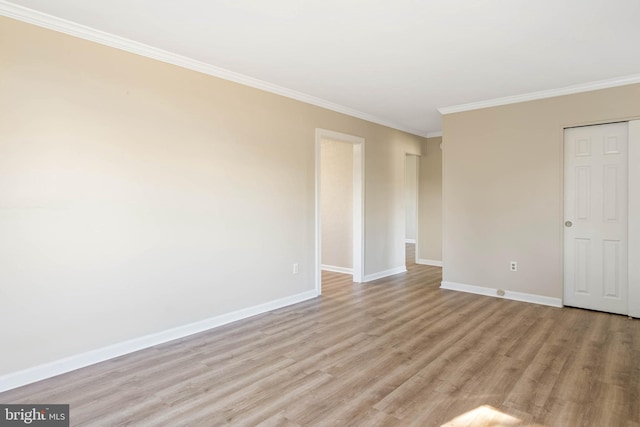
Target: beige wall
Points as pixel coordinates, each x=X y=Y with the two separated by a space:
x=137 y=196
x=430 y=203
x=503 y=187
x=411 y=196
x=337 y=203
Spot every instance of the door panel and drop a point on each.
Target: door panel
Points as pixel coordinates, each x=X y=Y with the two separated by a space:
x=595 y=209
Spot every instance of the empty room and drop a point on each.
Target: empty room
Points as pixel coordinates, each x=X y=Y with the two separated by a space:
x=319 y=213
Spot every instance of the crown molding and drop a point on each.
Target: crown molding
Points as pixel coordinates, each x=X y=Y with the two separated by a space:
x=434 y=134
x=51 y=22
x=567 y=90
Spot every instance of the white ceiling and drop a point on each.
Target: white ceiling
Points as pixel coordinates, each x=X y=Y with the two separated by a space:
x=396 y=61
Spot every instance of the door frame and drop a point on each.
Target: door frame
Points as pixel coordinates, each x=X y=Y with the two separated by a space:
x=633 y=226
x=407 y=155
x=358 y=203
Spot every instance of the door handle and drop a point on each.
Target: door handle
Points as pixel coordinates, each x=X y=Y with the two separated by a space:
x=568 y=223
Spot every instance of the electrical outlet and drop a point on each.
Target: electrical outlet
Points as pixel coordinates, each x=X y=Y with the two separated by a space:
x=295 y=268
x=514 y=266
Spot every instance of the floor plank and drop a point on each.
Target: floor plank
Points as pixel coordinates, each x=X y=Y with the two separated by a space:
x=398 y=351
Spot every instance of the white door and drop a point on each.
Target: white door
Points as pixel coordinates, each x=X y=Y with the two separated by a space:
x=595 y=213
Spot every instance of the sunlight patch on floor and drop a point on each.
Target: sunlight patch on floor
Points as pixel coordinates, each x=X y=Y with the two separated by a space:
x=486 y=416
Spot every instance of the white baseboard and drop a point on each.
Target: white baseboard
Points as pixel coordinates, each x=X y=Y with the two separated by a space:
x=48 y=370
x=409 y=240
x=336 y=269
x=386 y=273
x=516 y=296
x=431 y=262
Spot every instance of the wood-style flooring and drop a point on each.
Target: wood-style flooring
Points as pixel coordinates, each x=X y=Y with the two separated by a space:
x=395 y=352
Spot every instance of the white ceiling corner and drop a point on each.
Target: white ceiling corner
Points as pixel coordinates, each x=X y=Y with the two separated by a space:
x=586 y=87
x=392 y=62
x=78 y=30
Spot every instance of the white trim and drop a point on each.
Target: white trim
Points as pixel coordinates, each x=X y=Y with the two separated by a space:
x=410 y=241
x=416 y=240
x=338 y=136
x=44 y=20
x=434 y=134
x=358 y=210
x=431 y=262
x=516 y=296
x=317 y=267
x=386 y=273
x=568 y=90
x=48 y=370
x=634 y=219
x=336 y=269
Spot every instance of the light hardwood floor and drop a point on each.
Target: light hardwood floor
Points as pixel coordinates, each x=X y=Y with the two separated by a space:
x=398 y=351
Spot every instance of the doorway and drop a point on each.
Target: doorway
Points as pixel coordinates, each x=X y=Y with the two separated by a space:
x=596 y=217
x=411 y=208
x=356 y=145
